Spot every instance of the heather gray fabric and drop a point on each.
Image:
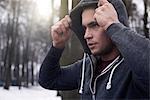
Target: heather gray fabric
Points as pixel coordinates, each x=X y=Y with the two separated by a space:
x=127 y=79
x=130 y=80
x=77 y=20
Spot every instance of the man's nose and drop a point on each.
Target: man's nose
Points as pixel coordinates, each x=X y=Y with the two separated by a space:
x=87 y=34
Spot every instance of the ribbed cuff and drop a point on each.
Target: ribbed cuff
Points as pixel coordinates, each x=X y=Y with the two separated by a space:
x=55 y=52
x=114 y=28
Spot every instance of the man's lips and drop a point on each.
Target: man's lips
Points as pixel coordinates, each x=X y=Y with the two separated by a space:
x=91 y=45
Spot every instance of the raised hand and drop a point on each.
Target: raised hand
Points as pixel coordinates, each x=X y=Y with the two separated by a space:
x=105 y=14
x=60 y=32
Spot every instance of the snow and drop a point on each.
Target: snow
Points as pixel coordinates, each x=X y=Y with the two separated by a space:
x=32 y=93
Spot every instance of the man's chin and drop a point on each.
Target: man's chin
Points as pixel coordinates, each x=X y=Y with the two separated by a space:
x=94 y=53
x=100 y=53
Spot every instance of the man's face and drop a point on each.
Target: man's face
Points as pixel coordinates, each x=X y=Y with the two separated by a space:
x=98 y=42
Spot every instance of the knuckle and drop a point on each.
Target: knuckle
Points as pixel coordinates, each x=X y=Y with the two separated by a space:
x=66 y=16
x=68 y=19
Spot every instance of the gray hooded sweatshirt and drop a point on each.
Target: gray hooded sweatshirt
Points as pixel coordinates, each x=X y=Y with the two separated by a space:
x=127 y=77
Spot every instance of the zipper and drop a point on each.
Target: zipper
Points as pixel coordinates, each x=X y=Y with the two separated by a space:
x=102 y=73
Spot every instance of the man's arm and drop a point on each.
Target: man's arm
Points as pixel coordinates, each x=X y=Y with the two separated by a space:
x=135 y=49
x=53 y=77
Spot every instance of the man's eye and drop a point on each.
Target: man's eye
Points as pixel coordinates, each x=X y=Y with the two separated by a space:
x=93 y=24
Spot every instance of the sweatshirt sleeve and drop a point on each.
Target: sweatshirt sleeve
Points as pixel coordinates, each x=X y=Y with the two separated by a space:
x=51 y=76
x=135 y=49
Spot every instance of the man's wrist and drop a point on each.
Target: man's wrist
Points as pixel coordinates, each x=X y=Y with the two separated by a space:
x=58 y=45
x=109 y=24
x=55 y=53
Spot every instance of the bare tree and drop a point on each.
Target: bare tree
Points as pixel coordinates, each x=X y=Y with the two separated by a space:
x=63 y=8
x=145 y=19
x=128 y=4
x=11 y=34
x=75 y=2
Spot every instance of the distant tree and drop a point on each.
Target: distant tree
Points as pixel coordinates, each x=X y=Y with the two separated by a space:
x=72 y=52
x=145 y=19
x=11 y=40
x=128 y=4
x=75 y=2
x=64 y=11
x=20 y=26
x=63 y=8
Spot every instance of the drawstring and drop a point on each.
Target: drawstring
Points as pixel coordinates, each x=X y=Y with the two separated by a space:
x=108 y=86
x=111 y=74
x=112 y=66
x=83 y=72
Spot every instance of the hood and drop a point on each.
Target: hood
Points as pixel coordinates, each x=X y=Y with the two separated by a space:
x=77 y=20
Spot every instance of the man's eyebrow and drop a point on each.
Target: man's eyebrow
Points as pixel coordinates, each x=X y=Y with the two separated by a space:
x=92 y=23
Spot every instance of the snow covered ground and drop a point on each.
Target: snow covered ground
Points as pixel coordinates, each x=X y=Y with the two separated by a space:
x=33 y=93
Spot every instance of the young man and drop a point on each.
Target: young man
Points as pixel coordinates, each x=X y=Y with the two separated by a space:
x=116 y=60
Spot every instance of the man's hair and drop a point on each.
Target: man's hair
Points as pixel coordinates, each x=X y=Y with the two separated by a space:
x=92 y=6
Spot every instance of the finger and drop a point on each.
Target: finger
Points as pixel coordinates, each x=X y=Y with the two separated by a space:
x=63 y=28
x=66 y=23
x=96 y=17
x=102 y=2
x=68 y=19
x=99 y=9
x=56 y=29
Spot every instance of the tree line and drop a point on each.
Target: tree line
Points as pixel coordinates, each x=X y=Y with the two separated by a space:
x=23 y=42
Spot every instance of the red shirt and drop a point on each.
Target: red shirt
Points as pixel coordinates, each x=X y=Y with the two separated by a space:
x=99 y=68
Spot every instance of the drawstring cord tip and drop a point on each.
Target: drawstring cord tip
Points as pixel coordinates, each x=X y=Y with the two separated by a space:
x=108 y=86
x=80 y=91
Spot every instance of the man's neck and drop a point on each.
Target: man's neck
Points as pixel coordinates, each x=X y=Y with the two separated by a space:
x=110 y=56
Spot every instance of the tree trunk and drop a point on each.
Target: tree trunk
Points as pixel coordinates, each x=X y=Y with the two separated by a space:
x=128 y=4
x=26 y=62
x=145 y=19
x=32 y=69
x=75 y=2
x=17 y=63
x=63 y=8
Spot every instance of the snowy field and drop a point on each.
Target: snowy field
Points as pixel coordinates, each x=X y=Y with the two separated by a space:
x=33 y=93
